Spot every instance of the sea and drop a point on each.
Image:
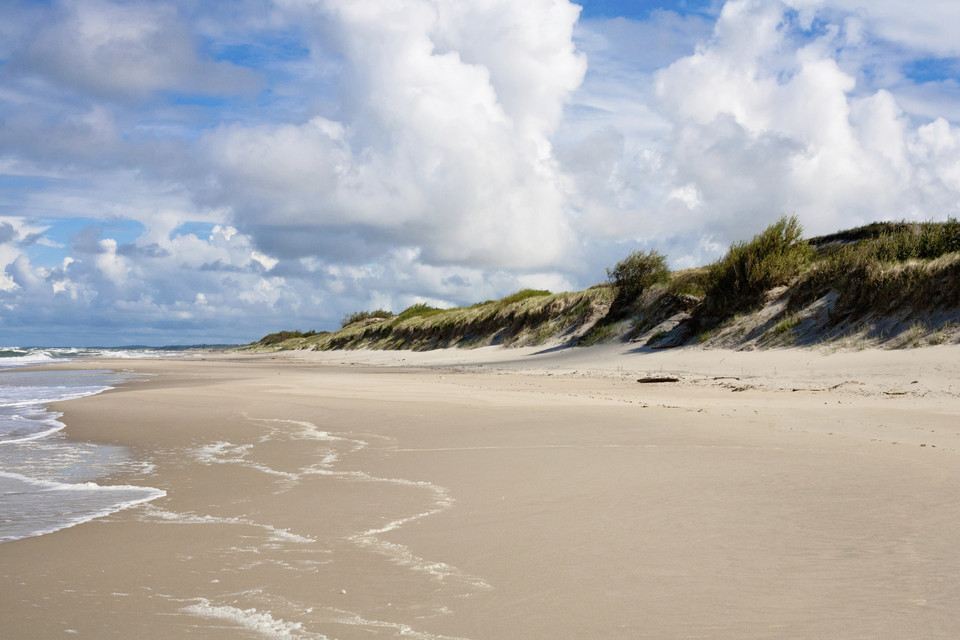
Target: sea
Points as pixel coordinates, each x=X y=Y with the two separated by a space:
x=47 y=481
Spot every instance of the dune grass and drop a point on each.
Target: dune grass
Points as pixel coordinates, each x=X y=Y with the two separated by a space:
x=415 y=311
x=284 y=336
x=690 y=282
x=898 y=266
x=359 y=316
x=875 y=271
x=519 y=296
x=529 y=316
x=741 y=278
x=633 y=275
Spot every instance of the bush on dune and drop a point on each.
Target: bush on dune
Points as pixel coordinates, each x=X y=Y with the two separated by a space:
x=902 y=265
x=357 y=316
x=415 y=311
x=910 y=242
x=774 y=257
x=874 y=271
x=634 y=274
x=281 y=336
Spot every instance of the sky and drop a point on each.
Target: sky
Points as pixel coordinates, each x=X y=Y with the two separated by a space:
x=182 y=172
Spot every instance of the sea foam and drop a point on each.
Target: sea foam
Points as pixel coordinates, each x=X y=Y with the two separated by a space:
x=260 y=622
x=48 y=482
x=34 y=507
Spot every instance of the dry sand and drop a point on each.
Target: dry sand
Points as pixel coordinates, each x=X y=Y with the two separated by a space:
x=496 y=494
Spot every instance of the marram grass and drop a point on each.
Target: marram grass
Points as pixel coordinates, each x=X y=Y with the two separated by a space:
x=878 y=276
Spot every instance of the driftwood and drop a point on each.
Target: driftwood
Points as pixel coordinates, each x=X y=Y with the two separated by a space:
x=657 y=379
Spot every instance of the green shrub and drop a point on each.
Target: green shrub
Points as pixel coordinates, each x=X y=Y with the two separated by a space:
x=281 y=336
x=938 y=239
x=926 y=241
x=692 y=282
x=357 y=316
x=416 y=310
x=892 y=267
x=739 y=280
x=597 y=334
x=895 y=241
x=632 y=275
x=786 y=324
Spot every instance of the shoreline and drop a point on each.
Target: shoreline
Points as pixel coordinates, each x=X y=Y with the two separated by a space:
x=492 y=494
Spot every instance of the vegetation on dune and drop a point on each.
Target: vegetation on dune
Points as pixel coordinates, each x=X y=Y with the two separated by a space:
x=740 y=279
x=896 y=241
x=768 y=291
x=519 y=296
x=415 y=311
x=524 y=318
x=283 y=336
x=633 y=275
x=897 y=266
x=690 y=282
x=359 y=316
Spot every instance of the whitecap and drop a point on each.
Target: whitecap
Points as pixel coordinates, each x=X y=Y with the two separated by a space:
x=34 y=507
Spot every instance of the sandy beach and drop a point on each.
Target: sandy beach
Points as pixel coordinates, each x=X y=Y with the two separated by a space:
x=493 y=494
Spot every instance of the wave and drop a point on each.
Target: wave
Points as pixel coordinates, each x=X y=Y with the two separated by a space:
x=17 y=357
x=24 y=396
x=47 y=483
x=34 y=507
x=11 y=358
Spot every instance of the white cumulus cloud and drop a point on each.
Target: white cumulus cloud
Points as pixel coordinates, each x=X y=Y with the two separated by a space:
x=125 y=49
x=442 y=141
x=769 y=115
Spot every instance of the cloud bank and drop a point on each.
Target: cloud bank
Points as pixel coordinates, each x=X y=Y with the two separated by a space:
x=441 y=139
x=772 y=113
x=182 y=173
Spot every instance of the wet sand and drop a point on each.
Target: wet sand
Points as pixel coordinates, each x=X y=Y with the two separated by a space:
x=506 y=494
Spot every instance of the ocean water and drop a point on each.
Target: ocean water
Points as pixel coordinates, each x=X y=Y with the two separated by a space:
x=48 y=482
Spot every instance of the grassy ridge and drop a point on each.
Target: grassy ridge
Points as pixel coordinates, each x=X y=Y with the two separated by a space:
x=773 y=258
x=777 y=289
x=881 y=282
x=525 y=318
x=902 y=266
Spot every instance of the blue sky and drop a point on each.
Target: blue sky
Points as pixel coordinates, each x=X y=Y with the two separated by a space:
x=182 y=172
x=641 y=9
